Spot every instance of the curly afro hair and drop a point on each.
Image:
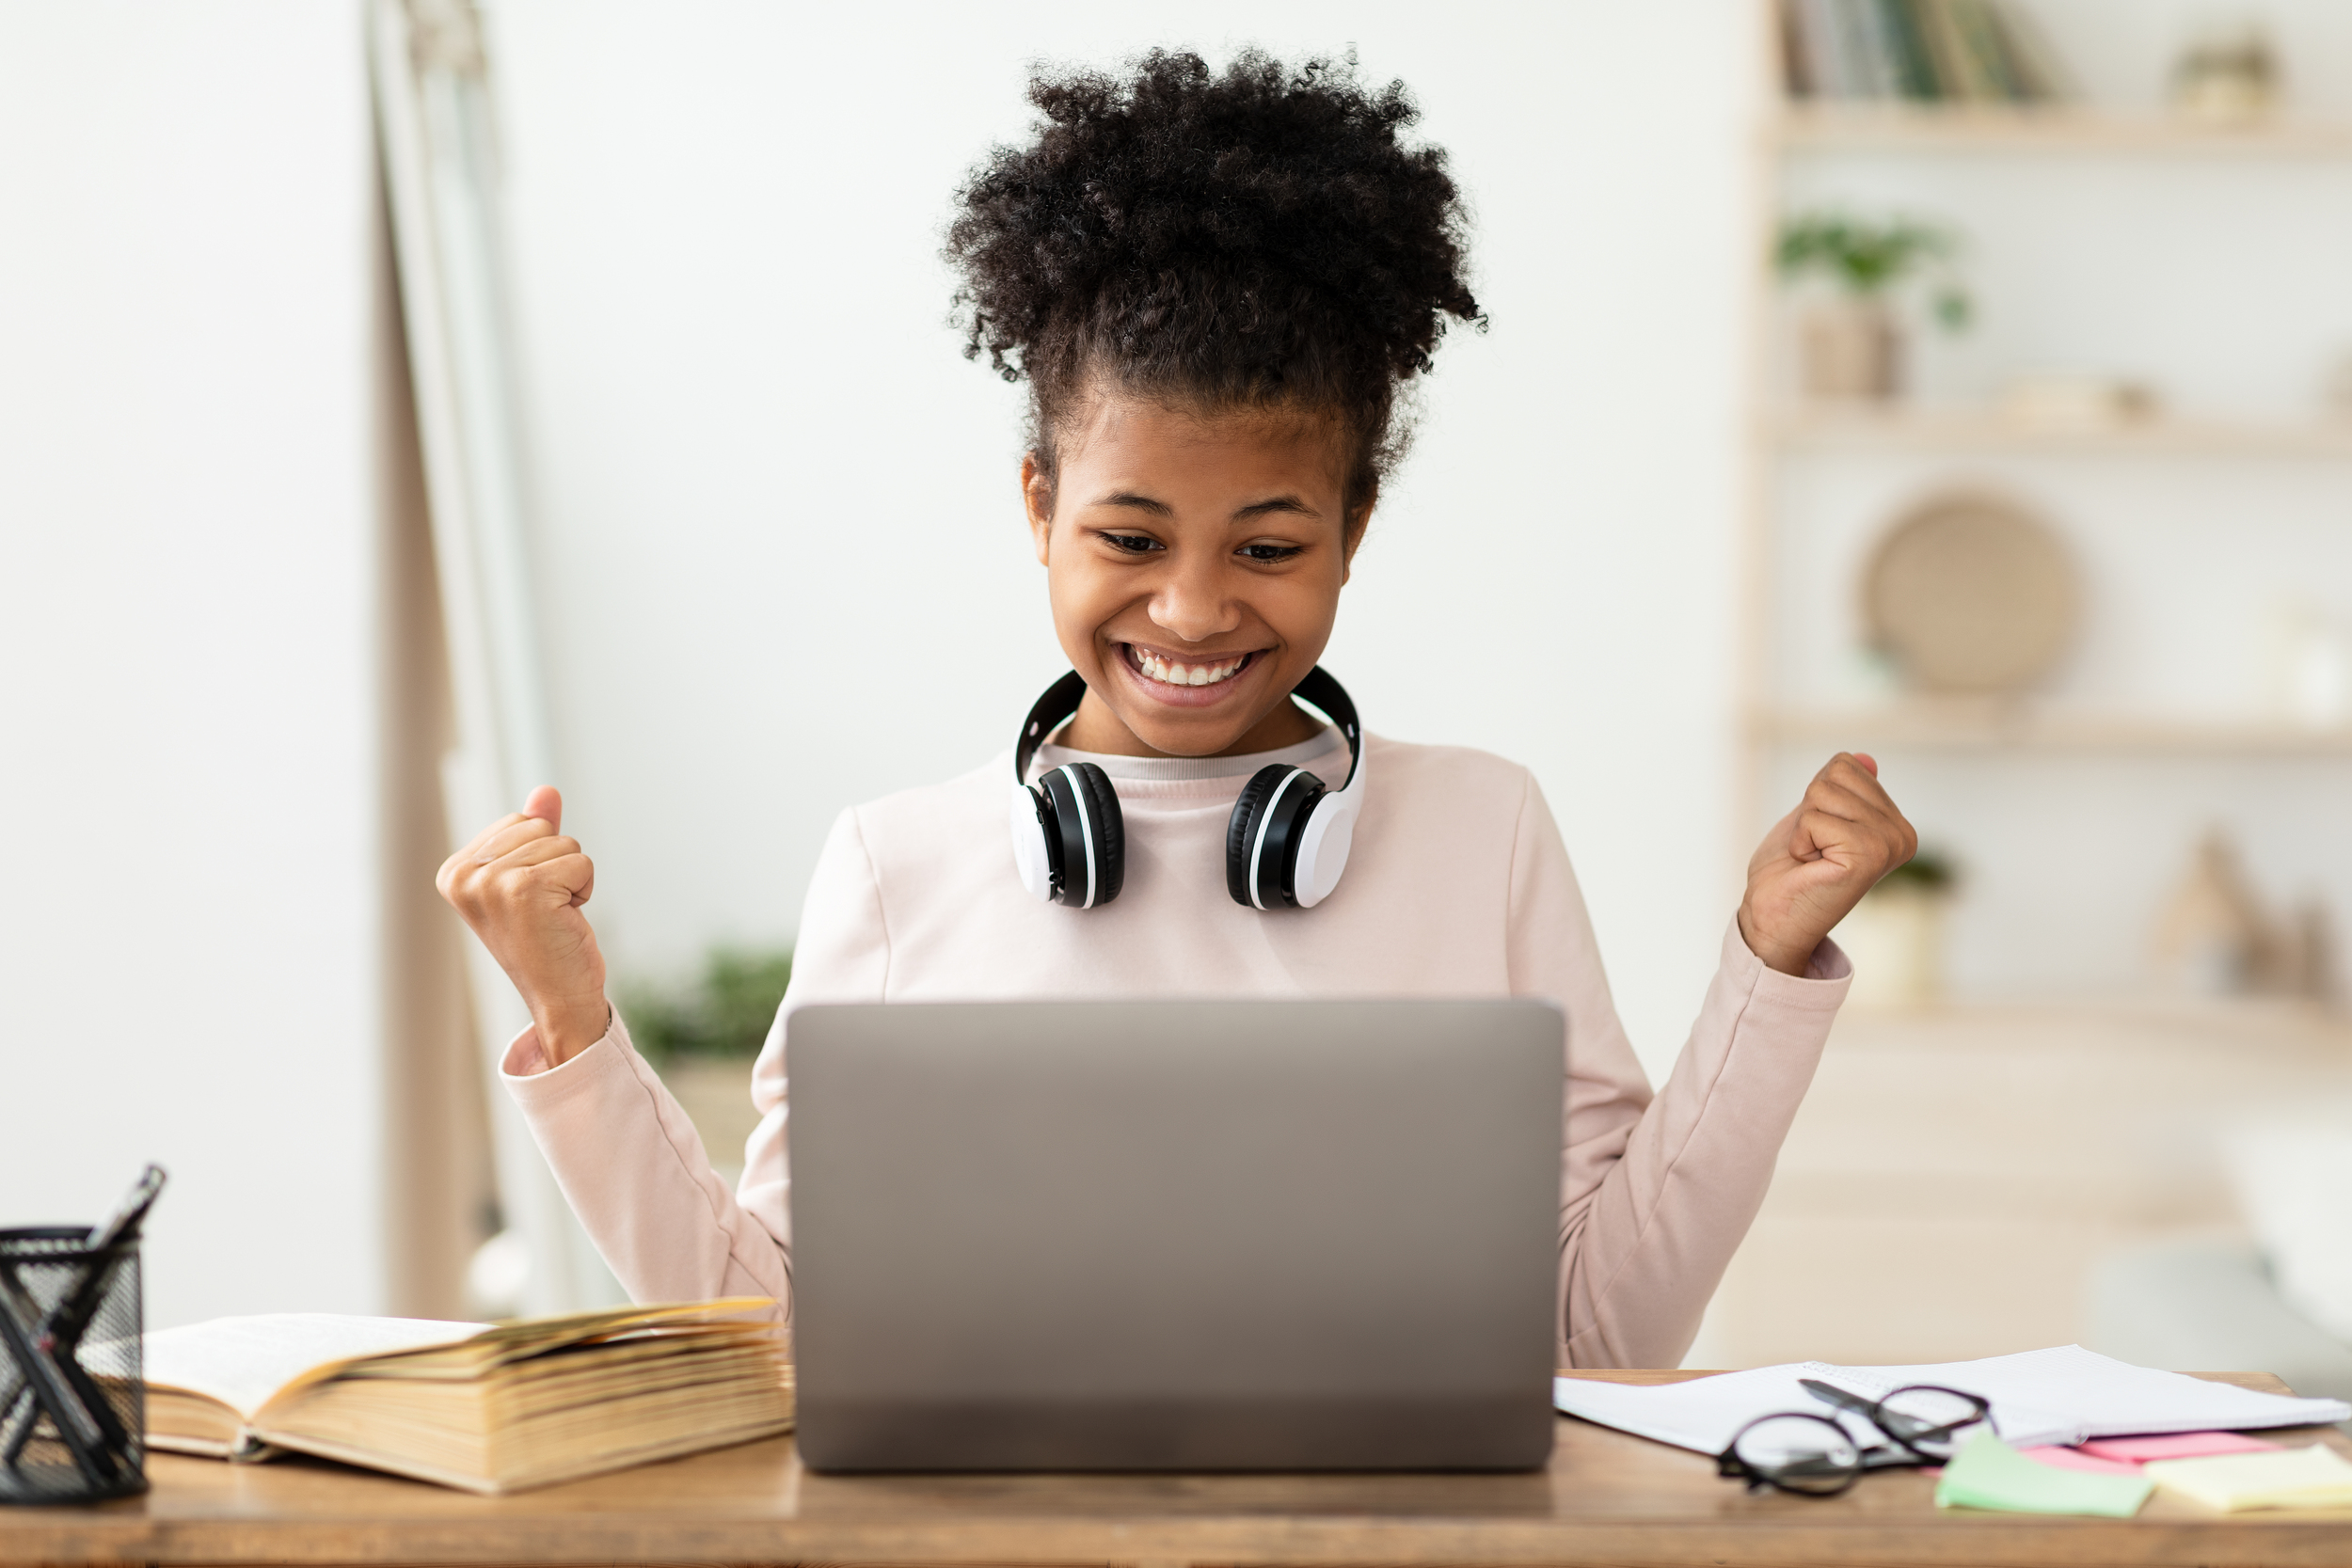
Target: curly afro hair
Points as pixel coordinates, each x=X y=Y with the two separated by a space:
x=1255 y=239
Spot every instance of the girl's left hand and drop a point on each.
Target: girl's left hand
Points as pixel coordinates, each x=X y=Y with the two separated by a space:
x=1818 y=862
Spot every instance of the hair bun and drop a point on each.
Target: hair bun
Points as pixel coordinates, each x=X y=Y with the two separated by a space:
x=1258 y=235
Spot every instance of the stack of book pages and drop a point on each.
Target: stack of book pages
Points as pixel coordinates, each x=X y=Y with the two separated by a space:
x=487 y=1407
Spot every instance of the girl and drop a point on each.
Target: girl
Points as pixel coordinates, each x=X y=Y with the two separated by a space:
x=1215 y=285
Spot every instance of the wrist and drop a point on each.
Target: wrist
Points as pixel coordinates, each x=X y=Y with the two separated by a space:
x=570 y=1028
x=1784 y=956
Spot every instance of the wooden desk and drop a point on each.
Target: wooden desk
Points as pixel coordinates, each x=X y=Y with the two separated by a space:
x=1606 y=1497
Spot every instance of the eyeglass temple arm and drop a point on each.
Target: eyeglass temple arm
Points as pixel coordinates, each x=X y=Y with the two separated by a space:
x=1837 y=1396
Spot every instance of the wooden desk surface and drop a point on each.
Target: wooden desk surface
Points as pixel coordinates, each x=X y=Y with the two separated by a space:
x=1606 y=1497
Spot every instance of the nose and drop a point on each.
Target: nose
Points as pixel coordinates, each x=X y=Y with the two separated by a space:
x=1193 y=602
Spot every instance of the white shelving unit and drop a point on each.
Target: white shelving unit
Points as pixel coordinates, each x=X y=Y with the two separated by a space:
x=1937 y=728
x=2220 y=494
x=1902 y=128
x=1985 y=430
x=1958 y=1172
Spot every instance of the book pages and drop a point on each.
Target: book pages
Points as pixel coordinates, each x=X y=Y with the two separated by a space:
x=242 y=1362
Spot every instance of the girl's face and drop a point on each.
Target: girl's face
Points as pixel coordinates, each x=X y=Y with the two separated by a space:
x=1195 y=563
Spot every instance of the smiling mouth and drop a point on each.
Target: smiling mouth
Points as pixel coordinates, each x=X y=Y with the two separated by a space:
x=1168 y=672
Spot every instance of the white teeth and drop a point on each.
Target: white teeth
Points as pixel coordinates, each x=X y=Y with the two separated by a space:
x=1173 y=674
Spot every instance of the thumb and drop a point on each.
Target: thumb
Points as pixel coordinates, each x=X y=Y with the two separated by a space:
x=1863 y=757
x=547 y=804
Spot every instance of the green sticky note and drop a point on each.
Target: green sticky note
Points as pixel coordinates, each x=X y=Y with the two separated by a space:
x=1988 y=1473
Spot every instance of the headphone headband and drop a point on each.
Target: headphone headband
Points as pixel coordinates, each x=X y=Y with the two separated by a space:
x=1317 y=690
x=1055 y=708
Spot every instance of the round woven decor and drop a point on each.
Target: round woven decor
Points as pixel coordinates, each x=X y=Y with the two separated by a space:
x=1970 y=593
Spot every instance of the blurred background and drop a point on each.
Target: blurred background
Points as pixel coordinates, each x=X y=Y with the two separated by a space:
x=569 y=394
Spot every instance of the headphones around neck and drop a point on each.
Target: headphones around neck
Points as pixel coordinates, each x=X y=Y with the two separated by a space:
x=1286 y=843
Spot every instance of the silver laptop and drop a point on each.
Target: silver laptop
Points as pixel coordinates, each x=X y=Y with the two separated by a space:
x=1176 y=1235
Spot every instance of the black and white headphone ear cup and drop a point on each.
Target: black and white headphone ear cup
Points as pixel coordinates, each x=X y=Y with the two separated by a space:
x=1109 y=829
x=1321 y=856
x=1262 y=836
x=1081 y=838
x=1035 y=845
x=1241 y=829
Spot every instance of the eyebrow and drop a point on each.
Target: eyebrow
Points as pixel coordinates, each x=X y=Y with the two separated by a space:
x=1138 y=502
x=1135 y=503
x=1278 y=503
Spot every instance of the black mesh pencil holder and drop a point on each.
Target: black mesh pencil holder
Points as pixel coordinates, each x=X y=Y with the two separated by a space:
x=72 y=1415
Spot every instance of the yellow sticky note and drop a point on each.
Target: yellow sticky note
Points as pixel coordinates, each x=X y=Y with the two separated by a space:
x=2316 y=1477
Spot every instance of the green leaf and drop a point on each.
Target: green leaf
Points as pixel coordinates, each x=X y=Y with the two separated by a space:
x=726 y=1011
x=1865 y=258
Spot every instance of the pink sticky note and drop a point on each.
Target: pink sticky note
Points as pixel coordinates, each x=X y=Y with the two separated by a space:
x=2073 y=1458
x=2184 y=1444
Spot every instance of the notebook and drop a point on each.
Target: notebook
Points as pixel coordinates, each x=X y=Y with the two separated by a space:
x=2063 y=1395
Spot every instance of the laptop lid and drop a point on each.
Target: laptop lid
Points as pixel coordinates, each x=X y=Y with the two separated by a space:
x=1176 y=1235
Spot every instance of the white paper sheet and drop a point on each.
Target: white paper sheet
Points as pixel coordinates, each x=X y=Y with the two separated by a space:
x=2111 y=1398
x=2065 y=1394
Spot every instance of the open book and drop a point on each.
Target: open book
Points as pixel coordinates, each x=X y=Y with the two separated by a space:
x=486 y=1407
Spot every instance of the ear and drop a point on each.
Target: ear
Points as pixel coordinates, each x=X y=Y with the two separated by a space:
x=1036 y=497
x=1353 y=535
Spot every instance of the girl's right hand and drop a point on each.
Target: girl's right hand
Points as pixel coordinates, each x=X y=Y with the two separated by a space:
x=520 y=885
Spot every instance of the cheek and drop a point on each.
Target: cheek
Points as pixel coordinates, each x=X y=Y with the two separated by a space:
x=1081 y=597
x=1307 y=602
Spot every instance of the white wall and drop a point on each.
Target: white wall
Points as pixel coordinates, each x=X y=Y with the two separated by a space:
x=187 y=853
x=786 y=565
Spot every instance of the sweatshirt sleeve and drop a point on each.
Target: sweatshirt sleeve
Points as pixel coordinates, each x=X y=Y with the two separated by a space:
x=629 y=1159
x=1657 y=1194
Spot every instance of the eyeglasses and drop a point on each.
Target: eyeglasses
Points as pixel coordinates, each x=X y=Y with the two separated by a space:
x=1815 y=1456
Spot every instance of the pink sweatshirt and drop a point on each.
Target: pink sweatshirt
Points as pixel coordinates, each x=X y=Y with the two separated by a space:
x=1458 y=885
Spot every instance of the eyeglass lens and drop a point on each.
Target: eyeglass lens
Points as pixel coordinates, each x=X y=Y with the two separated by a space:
x=1798 y=1453
x=1929 y=1421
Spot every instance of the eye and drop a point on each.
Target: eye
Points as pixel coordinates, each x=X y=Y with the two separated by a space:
x=1266 y=554
x=1132 y=543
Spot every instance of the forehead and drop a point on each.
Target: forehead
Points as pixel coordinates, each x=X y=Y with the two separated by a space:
x=1128 y=439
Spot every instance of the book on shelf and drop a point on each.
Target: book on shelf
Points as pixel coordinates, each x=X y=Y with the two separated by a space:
x=487 y=1407
x=1963 y=52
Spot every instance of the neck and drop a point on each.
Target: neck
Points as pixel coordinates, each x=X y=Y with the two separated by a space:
x=1096 y=728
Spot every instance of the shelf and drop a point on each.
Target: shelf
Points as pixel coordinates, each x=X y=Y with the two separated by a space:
x=1983 y=727
x=2116 y=1020
x=1988 y=432
x=1909 y=128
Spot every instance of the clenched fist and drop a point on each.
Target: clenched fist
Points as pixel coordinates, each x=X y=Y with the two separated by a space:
x=1818 y=862
x=520 y=884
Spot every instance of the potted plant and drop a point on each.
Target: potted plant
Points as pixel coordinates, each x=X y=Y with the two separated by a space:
x=1895 y=936
x=702 y=1037
x=1850 y=346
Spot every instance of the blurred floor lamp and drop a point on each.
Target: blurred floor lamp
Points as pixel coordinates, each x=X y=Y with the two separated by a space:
x=435 y=128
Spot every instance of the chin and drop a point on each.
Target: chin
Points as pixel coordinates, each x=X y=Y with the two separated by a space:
x=1183 y=740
